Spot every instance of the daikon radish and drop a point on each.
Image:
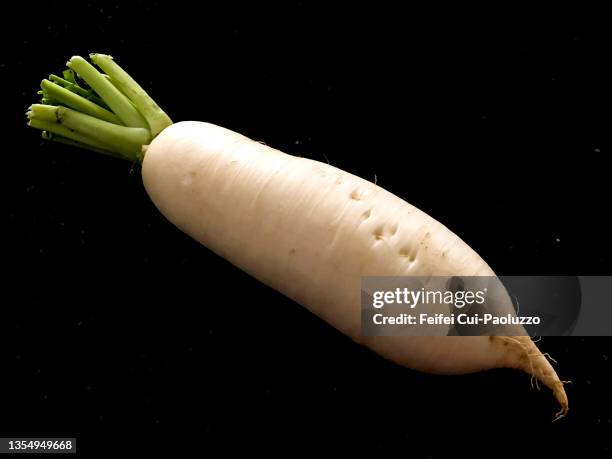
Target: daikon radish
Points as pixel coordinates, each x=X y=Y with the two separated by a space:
x=305 y=228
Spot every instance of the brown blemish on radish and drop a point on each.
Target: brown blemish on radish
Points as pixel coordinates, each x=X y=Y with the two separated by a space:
x=407 y=253
x=366 y=214
x=425 y=241
x=379 y=232
x=359 y=194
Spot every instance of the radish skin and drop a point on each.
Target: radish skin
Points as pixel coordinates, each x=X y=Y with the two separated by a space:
x=312 y=231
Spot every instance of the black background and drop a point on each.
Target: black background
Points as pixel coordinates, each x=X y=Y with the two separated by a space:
x=120 y=330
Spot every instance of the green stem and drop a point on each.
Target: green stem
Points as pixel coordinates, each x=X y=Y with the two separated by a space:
x=75 y=88
x=46 y=135
x=63 y=131
x=59 y=94
x=110 y=114
x=115 y=99
x=155 y=116
x=86 y=129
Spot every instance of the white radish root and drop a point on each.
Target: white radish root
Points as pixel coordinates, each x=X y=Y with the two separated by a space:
x=312 y=231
